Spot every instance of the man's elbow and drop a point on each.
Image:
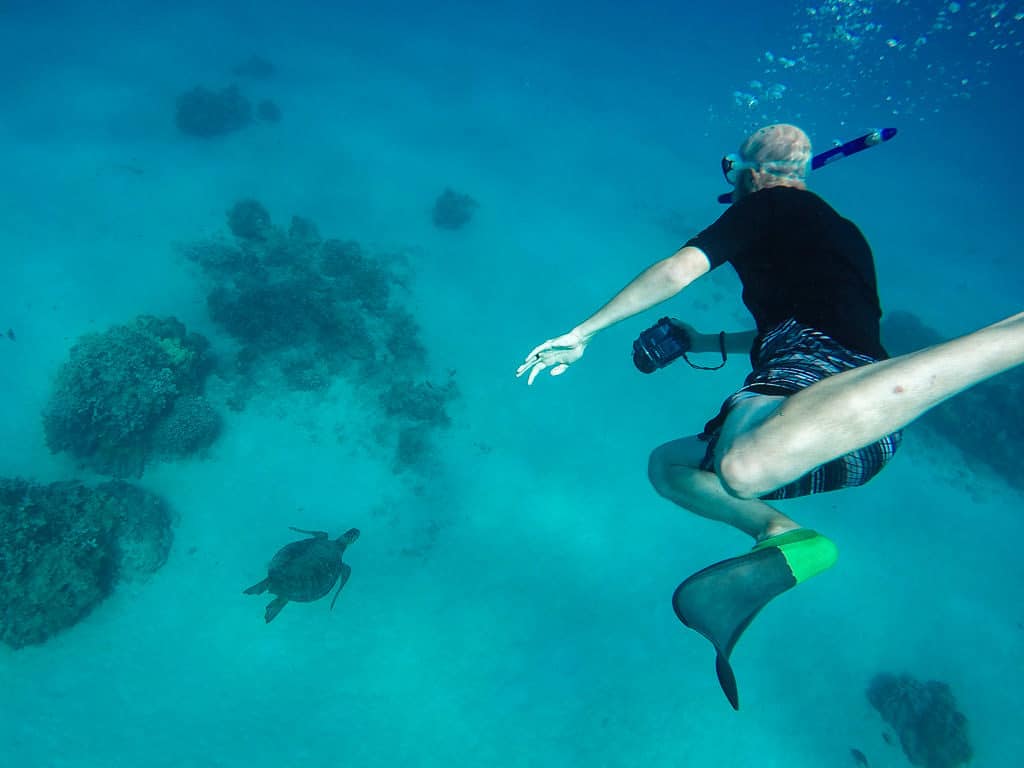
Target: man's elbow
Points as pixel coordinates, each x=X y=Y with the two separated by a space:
x=685 y=266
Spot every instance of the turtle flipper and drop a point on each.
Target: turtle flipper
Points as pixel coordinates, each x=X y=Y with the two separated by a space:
x=314 y=534
x=346 y=571
x=274 y=608
x=257 y=589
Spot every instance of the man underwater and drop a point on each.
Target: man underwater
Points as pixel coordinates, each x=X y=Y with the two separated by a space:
x=824 y=404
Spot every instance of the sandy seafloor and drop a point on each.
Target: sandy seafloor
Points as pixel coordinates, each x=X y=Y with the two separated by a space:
x=510 y=605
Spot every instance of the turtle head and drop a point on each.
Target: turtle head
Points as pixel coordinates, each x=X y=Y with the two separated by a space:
x=348 y=536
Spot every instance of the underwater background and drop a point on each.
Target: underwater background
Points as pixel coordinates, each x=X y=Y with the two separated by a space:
x=509 y=603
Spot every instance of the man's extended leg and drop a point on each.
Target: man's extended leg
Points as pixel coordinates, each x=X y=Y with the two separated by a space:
x=857 y=407
x=674 y=471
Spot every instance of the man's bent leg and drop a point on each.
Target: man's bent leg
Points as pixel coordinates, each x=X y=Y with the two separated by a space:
x=857 y=407
x=721 y=600
x=674 y=471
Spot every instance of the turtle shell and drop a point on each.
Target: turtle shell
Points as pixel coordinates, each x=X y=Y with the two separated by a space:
x=305 y=570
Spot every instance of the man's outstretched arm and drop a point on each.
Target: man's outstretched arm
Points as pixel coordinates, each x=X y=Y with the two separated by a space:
x=658 y=282
x=654 y=285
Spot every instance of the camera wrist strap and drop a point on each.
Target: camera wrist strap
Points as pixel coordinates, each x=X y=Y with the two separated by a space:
x=721 y=348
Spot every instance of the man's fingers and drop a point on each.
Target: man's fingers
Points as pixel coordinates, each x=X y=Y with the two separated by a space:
x=568 y=341
x=538 y=367
x=530 y=363
x=538 y=349
x=534 y=362
x=531 y=359
x=534 y=373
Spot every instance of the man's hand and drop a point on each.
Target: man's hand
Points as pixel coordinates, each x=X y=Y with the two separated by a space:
x=557 y=354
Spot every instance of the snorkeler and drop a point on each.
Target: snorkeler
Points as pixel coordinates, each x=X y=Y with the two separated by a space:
x=824 y=404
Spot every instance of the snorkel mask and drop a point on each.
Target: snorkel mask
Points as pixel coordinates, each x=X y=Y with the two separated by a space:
x=733 y=163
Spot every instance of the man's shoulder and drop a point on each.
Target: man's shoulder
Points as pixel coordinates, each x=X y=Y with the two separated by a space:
x=792 y=195
x=799 y=202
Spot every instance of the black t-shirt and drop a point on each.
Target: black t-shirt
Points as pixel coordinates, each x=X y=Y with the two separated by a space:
x=797 y=257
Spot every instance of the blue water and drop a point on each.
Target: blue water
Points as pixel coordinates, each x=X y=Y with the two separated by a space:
x=511 y=606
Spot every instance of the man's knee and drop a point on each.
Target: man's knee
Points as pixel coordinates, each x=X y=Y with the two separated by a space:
x=742 y=472
x=657 y=469
x=670 y=468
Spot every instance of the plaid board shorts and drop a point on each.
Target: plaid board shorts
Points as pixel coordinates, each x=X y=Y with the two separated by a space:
x=791 y=357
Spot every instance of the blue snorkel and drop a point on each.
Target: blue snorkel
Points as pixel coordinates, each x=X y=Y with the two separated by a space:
x=852 y=147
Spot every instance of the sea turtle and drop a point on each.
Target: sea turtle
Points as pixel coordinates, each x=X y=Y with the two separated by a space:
x=305 y=570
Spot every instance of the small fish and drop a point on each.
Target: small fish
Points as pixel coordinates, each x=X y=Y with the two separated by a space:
x=10 y=334
x=887 y=736
x=858 y=757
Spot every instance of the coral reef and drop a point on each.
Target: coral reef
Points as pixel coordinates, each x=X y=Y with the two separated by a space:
x=356 y=277
x=453 y=210
x=268 y=111
x=191 y=426
x=303 y=233
x=306 y=310
x=116 y=388
x=419 y=401
x=403 y=339
x=64 y=546
x=305 y=372
x=924 y=715
x=414 y=447
x=310 y=307
x=255 y=67
x=904 y=332
x=986 y=422
x=219 y=259
x=206 y=113
x=283 y=313
x=420 y=408
x=249 y=220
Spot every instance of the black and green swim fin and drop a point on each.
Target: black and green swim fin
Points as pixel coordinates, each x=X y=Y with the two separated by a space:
x=721 y=600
